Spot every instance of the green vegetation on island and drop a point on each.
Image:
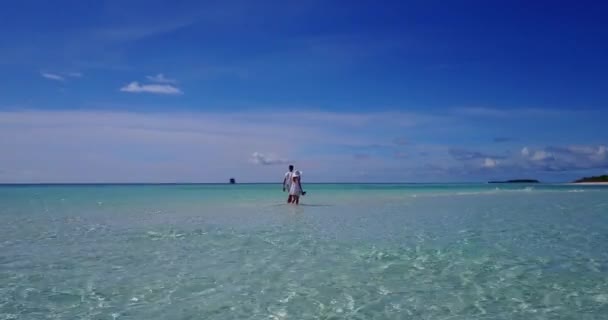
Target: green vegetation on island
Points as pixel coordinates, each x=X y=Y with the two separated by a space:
x=517 y=181
x=602 y=178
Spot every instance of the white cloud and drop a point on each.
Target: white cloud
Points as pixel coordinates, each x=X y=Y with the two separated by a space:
x=113 y=146
x=564 y=158
x=160 y=78
x=489 y=163
x=594 y=152
x=52 y=76
x=555 y=159
x=541 y=155
x=135 y=87
x=60 y=76
x=265 y=160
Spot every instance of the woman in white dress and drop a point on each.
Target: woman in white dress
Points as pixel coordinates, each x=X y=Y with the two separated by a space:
x=295 y=189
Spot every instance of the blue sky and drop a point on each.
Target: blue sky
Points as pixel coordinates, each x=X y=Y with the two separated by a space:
x=200 y=91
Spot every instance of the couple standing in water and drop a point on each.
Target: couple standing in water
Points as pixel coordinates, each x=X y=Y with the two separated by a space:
x=293 y=185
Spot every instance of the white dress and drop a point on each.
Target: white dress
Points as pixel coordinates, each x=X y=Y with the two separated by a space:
x=295 y=190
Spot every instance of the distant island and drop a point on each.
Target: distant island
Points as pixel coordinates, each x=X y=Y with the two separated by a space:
x=232 y=181
x=602 y=178
x=517 y=181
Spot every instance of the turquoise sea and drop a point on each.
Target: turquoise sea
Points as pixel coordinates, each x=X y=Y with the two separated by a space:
x=350 y=251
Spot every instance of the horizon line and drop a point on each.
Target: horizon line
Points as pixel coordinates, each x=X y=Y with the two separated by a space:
x=255 y=183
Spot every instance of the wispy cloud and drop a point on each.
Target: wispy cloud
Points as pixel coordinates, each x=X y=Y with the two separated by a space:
x=60 y=76
x=537 y=160
x=489 y=163
x=137 y=31
x=490 y=112
x=213 y=146
x=184 y=146
x=481 y=112
x=160 y=78
x=136 y=87
x=464 y=154
x=565 y=158
x=267 y=160
x=52 y=76
x=542 y=155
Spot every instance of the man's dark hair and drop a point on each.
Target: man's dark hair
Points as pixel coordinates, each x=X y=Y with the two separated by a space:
x=291 y=167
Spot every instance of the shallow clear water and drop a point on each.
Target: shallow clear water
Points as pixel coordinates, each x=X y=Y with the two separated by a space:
x=349 y=252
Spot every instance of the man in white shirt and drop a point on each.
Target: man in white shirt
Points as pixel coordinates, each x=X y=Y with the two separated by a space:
x=287 y=182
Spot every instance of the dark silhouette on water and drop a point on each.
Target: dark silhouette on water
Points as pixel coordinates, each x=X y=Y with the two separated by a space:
x=232 y=181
